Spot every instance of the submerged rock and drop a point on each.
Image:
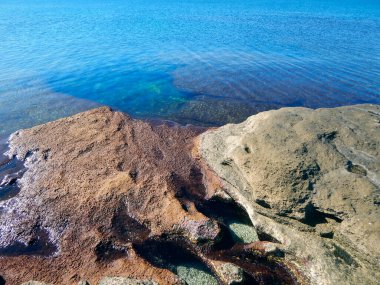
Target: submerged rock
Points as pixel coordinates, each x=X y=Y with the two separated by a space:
x=310 y=181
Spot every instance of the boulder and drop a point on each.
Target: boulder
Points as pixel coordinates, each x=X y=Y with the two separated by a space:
x=96 y=184
x=310 y=181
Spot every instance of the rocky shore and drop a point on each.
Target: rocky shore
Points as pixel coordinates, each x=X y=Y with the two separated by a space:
x=286 y=197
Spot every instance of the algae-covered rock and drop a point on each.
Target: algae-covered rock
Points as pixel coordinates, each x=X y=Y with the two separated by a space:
x=193 y=275
x=243 y=233
x=96 y=183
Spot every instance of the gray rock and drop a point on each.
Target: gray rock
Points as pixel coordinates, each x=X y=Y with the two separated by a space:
x=243 y=233
x=194 y=276
x=311 y=180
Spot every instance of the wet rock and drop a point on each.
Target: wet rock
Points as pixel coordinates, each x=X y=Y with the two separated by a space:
x=98 y=184
x=11 y=170
x=296 y=169
x=125 y=281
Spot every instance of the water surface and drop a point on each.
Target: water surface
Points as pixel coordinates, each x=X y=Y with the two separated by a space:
x=186 y=61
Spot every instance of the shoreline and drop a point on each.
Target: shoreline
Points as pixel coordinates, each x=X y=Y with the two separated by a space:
x=157 y=186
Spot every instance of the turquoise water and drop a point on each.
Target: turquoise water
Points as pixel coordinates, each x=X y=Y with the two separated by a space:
x=199 y=62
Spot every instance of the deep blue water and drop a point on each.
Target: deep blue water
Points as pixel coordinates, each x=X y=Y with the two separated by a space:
x=200 y=62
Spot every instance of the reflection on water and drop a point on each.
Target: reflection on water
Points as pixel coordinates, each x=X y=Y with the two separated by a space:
x=242 y=84
x=276 y=80
x=187 y=61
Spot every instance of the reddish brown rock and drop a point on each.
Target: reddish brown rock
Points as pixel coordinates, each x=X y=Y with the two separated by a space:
x=97 y=183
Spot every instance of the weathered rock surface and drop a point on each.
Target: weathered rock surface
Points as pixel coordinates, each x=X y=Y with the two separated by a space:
x=310 y=180
x=97 y=183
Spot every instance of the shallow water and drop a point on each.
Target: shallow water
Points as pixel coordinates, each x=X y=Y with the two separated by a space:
x=186 y=61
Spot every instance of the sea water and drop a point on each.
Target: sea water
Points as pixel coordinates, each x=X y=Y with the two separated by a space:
x=198 y=62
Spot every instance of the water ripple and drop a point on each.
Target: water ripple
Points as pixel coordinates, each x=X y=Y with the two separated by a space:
x=179 y=60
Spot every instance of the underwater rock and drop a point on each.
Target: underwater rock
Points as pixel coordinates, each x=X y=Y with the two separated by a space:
x=309 y=180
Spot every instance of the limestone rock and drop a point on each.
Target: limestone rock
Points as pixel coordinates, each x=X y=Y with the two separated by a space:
x=310 y=180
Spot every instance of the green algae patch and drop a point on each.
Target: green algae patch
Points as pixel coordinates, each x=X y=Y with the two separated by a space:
x=153 y=88
x=243 y=232
x=193 y=275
